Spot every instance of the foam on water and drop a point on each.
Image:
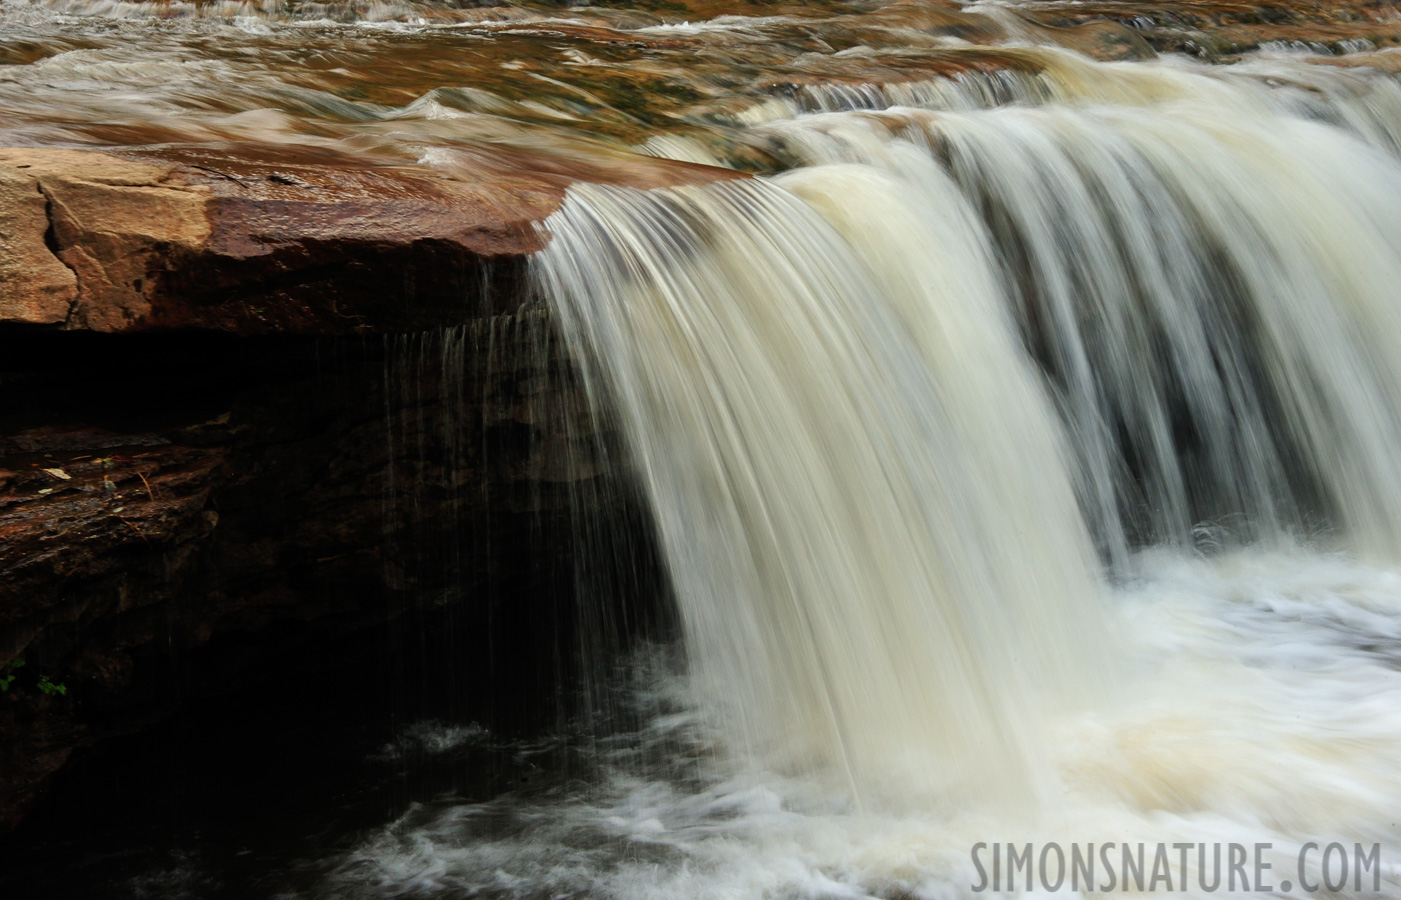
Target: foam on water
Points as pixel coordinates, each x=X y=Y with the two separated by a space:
x=1265 y=707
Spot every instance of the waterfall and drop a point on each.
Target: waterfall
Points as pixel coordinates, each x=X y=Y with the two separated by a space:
x=864 y=396
x=850 y=534
x=1214 y=314
x=1021 y=461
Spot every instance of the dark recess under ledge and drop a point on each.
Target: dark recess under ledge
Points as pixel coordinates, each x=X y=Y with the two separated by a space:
x=387 y=524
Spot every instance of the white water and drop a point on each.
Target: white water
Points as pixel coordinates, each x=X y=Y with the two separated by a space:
x=838 y=510
x=850 y=392
x=1264 y=705
x=1214 y=303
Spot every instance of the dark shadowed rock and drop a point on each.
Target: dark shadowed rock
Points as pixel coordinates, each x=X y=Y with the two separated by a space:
x=178 y=459
x=168 y=496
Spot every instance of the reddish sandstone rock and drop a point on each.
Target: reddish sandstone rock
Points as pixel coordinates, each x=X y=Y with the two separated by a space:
x=267 y=240
x=35 y=288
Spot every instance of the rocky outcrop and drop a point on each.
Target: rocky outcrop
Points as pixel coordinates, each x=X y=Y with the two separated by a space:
x=262 y=240
x=200 y=445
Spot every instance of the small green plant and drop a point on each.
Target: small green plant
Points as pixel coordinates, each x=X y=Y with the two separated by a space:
x=8 y=678
x=49 y=688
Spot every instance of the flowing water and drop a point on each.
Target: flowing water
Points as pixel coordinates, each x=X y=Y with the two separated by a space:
x=1023 y=440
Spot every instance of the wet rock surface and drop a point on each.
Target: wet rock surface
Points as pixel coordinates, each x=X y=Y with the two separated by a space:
x=256 y=240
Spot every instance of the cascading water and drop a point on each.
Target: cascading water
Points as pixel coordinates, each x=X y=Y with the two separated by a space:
x=1214 y=313
x=885 y=405
x=850 y=532
x=852 y=393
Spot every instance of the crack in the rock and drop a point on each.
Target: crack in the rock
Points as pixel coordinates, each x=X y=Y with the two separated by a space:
x=51 y=242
